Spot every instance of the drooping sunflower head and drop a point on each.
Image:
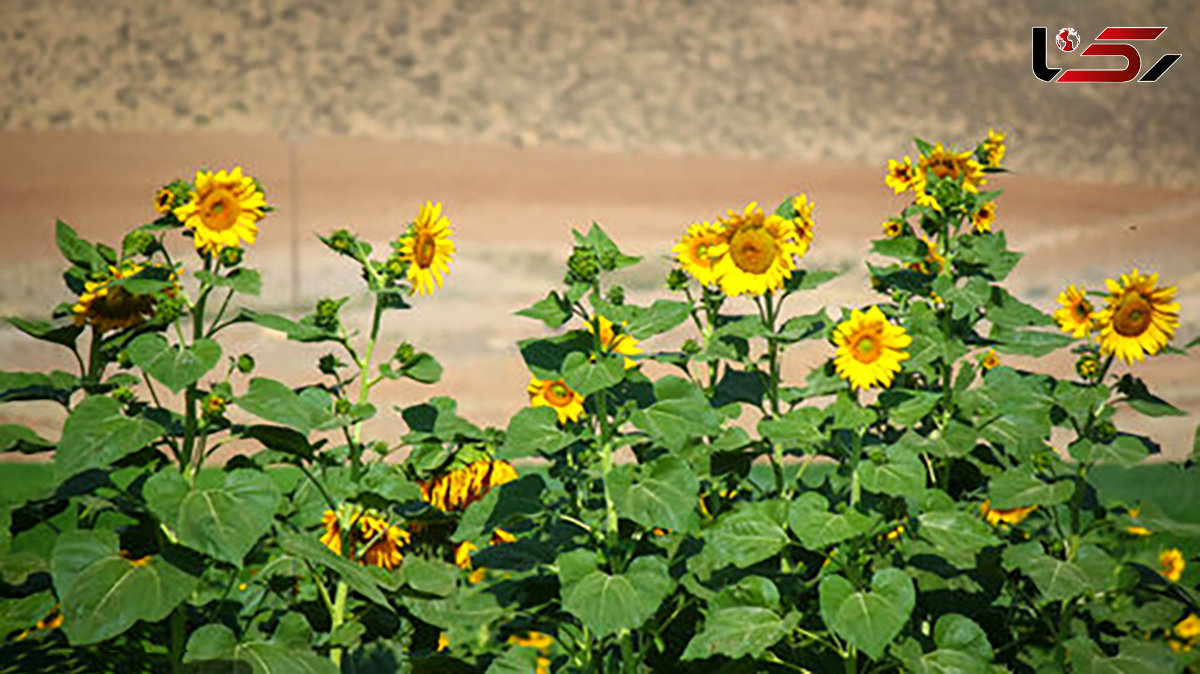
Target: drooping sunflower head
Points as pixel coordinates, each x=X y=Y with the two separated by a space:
x=1140 y=317
x=984 y=217
x=107 y=306
x=613 y=342
x=993 y=148
x=802 y=220
x=757 y=253
x=1010 y=516
x=223 y=210
x=428 y=249
x=694 y=252
x=901 y=176
x=1173 y=564
x=466 y=484
x=370 y=539
x=893 y=228
x=945 y=163
x=1076 y=315
x=869 y=348
x=555 y=394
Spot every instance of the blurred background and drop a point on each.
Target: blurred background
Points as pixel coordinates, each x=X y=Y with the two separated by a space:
x=528 y=118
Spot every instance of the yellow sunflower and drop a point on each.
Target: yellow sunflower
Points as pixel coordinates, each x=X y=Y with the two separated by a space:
x=107 y=306
x=933 y=263
x=223 y=210
x=383 y=541
x=945 y=163
x=612 y=342
x=924 y=198
x=538 y=641
x=993 y=148
x=984 y=217
x=461 y=487
x=756 y=253
x=1173 y=564
x=1140 y=317
x=693 y=252
x=555 y=394
x=893 y=228
x=428 y=249
x=990 y=360
x=901 y=176
x=803 y=221
x=1188 y=628
x=1011 y=516
x=1076 y=315
x=163 y=201
x=870 y=348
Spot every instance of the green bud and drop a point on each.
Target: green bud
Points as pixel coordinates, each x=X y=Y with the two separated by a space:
x=329 y=364
x=124 y=395
x=124 y=360
x=405 y=354
x=616 y=295
x=231 y=257
x=582 y=266
x=607 y=260
x=343 y=406
x=170 y=308
x=1087 y=366
x=245 y=363
x=214 y=405
x=342 y=241
x=1105 y=431
x=139 y=242
x=691 y=347
x=327 y=314
x=677 y=279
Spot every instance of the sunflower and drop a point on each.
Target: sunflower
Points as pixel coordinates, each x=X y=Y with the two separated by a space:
x=164 y=201
x=990 y=360
x=428 y=249
x=993 y=148
x=1172 y=564
x=803 y=221
x=459 y=488
x=223 y=210
x=555 y=393
x=1010 y=516
x=893 y=228
x=612 y=342
x=870 y=348
x=383 y=541
x=984 y=217
x=933 y=263
x=902 y=176
x=756 y=253
x=538 y=641
x=945 y=163
x=107 y=306
x=1076 y=315
x=1140 y=317
x=1188 y=628
x=924 y=198
x=693 y=252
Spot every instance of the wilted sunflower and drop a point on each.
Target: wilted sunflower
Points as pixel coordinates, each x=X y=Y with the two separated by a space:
x=870 y=348
x=223 y=210
x=1076 y=315
x=1140 y=317
x=945 y=163
x=555 y=394
x=108 y=306
x=1012 y=516
x=893 y=228
x=803 y=221
x=902 y=176
x=428 y=249
x=984 y=217
x=1173 y=564
x=694 y=252
x=459 y=488
x=612 y=342
x=756 y=253
x=383 y=541
x=993 y=148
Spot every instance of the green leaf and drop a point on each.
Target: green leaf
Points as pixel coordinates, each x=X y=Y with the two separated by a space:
x=554 y=311
x=64 y=333
x=18 y=438
x=222 y=520
x=959 y=633
x=1035 y=343
x=213 y=648
x=798 y=328
x=97 y=434
x=430 y=576
x=57 y=386
x=177 y=368
x=987 y=255
x=1010 y=312
x=608 y=603
x=516 y=660
x=907 y=406
x=295 y=331
x=76 y=250
x=681 y=414
x=533 y=431
x=1134 y=657
x=273 y=401
x=438 y=419
x=282 y=439
x=903 y=248
x=662 y=493
x=358 y=578
x=23 y=613
x=1141 y=399
x=424 y=369
x=1057 y=580
x=797 y=428
x=1020 y=487
x=813 y=523
x=869 y=620
x=964 y=300
x=739 y=631
x=466 y=616
x=521 y=498
x=244 y=280
x=748 y=535
x=957 y=536
x=585 y=376
x=660 y=317
x=809 y=279
x=902 y=474
x=1124 y=451
x=103 y=594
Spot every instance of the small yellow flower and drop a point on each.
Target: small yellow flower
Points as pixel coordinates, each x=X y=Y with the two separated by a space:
x=537 y=640
x=1172 y=564
x=555 y=394
x=443 y=642
x=984 y=217
x=869 y=348
x=902 y=176
x=694 y=252
x=924 y=198
x=945 y=163
x=223 y=211
x=1012 y=516
x=990 y=360
x=934 y=261
x=1076 y=315
x=896 y=533
x=500 y=536
x=457 y=489
x=428 y=249
x=612 y=342
x=163 y=201
x=462 y=554
x=993 y=148
x=1188 y=628
x=803 y=221
x=893 y=228
x=1140 y=317
x=1138 y=530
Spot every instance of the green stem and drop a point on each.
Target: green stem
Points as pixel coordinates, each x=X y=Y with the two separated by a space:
x=628 y=660
x=190 y=424
x=850 y=661
x=336 y=618
x=364 y=389
x=178 y=627
x=95 y=358
x=770 y=316
x=605 y=446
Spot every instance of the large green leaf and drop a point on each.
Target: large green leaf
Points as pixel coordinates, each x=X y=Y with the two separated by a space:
x=15 y=437
x=97 y=434
x=243 y=280
x=429 y=576
x=1020 y=487
x=738 y=631
x=901 y=474
x=359 y=578
x=1134 y=657
x=1056 y=579
x=869 y=620
x=466 y=616
x=103 y=593
x=799 y=427
x=214 y=648
x=960 y=633
x=586 y=376
x=177 y=368
x=1123 y=450
x=222 y=520
x=553 y=310
x=57 y=386
x=680 y=414
x=64 y=333
x=77 y=250
x=658 y=318
x=662 y=493
x=23 y=613
x=813 y=523
x=273 y=401
x=608 y=603
x=957 y=536
x=533 y=431
x=748 y=535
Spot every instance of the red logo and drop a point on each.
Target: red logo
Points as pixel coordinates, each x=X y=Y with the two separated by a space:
x=1112 y=41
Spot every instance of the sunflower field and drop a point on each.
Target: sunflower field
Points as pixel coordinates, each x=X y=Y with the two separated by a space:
x=925 y=500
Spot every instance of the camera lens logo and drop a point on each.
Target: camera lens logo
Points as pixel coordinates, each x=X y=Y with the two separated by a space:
x=1067 y=39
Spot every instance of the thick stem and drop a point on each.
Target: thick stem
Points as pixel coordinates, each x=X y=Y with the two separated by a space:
x=178 y=627
x=336 y=618
x=770 y=316
x=95 y=358
x=364 y=390
x=190 y=424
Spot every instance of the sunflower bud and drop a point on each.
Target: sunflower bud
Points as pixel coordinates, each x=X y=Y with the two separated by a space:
x=1087 y=366
x=676 y=279
x=139 y=242
x=342 y=241
x=691 y=347
x=327 y=314
x=124 y=395
x=1105 y=431
x=342 y=406
x=231 y=257
x=124 y=360
x=582 y=266
x=214 y=406
x=170 y=308
x=329 y=364
x=245 y=363
x=616 y=295
x=405 y=354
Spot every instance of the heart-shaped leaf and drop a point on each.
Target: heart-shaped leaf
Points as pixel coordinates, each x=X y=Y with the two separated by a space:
x=222 y=520
x=869 y=620
x=609 y=603
x=176 y=367
x=663 y=493
x=739 y=631
x=97 y=434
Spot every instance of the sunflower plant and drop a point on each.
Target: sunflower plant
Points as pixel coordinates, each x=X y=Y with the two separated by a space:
x=924 y=499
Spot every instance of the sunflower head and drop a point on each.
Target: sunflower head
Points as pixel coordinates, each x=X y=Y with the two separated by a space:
x=984 y=217
x=555 y=394
x=757 y=252
x=1076 y=315
x=106 y=305
x=612 y=341
x=694 y=252
x=1188 y=628
x=893 y=228
x=990 y=360
x=368 y=536
x=1010 y=516
x=869 y=349
x=993 y=148
x=427 y=249
x=901 y=176
x=951 y=165
x=223 y=210
x=1140 y=317
x=1173 y=564
x=464 y=485
x=164 y=201
x=802 y=220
